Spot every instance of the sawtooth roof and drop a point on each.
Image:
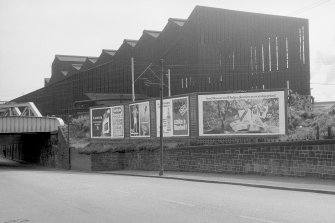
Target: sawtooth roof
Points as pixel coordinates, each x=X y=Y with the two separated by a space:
x=71 y=58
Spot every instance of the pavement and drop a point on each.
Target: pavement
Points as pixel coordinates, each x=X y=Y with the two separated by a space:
x=302 y=184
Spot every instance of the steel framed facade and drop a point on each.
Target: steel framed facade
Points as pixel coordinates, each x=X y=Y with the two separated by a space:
x=213 y=50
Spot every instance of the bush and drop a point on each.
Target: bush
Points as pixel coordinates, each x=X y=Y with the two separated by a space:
x=80 y=127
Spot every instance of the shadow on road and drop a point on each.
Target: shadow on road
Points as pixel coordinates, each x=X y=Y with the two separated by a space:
x=7 y=164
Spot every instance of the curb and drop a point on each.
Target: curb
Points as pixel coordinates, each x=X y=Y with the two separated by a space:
x=230 y=183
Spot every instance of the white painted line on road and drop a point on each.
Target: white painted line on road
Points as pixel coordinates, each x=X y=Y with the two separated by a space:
x=258 y=219
x=179 y=202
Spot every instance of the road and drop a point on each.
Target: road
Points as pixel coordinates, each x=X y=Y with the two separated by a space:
x=30 y=194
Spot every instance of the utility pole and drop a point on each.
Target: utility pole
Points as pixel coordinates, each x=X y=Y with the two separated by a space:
x=68 y=136
x=132 y=79
x=161 y=171
x=169 y=82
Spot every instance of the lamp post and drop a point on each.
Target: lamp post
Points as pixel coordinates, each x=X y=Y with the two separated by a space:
x=161 y=171
x=68 y=135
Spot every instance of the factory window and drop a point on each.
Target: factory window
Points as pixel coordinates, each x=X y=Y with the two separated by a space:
x=251 y=62
x=300 y=44
x=277 y=53
x=262 y=58
x=303 y=44
x=255 y=60
x=286 y=53
x=270 y=54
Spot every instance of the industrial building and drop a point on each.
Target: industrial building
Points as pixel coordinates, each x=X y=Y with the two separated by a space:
x=212 y=50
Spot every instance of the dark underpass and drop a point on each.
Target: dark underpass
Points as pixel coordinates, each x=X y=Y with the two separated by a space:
x=28 y=147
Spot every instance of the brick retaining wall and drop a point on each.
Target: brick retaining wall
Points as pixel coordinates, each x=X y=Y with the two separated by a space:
x=311 y=158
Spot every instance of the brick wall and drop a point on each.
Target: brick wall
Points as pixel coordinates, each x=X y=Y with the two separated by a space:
x=312 y=158
x=62 y=150
x=55 y=151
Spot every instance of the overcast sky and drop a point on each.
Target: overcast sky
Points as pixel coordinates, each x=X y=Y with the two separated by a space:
x=33 y=31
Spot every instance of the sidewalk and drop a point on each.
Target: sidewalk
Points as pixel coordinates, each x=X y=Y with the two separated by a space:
x=303 y=184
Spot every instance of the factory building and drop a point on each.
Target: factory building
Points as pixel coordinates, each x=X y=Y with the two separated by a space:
x=212 y=50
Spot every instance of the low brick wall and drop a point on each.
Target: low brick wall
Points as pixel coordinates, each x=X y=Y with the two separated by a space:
x=80 y=161
x=55 y=152
x=62 y=151
x=310 y=158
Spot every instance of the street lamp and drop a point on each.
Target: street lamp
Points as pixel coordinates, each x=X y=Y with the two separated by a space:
x=161 y=170
x=161 y=83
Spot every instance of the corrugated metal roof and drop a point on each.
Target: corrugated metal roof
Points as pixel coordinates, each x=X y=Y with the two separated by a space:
x=179 y=22
x=152 y=33
x=77 y=66
x=92 y=59
x=110 y=52
x=131 y=42
x=64 y=72
x=71 y=58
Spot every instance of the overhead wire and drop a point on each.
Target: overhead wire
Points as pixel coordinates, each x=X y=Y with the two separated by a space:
x=309 y=7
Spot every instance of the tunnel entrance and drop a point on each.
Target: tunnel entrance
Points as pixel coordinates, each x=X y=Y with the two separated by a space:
x=26 y=147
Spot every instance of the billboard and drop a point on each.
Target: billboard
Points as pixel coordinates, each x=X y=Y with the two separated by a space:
x=117 y=121
x=252 y=113
x=139 y=119
x=107 y=122
x=100 y=122
x=175 y=117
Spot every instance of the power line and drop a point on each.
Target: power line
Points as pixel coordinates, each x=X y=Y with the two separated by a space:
x=309 y=7
x=324 y=83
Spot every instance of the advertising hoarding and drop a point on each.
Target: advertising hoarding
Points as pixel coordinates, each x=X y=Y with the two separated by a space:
x=252 y=113
x=139 y=119
x=175 y=117
x=100 y=122
x=117 y=121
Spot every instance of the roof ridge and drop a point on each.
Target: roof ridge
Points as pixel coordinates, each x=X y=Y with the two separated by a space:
x=130 y=42
x=152 y=31
x=178 y=19
x=61 y=55
x=108 y=50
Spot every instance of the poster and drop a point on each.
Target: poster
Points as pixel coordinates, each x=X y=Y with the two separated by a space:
x=139 y=119
x=118 y=121
x=175 y=117
x=180 y=116
x=253 y=113
x=100 y=122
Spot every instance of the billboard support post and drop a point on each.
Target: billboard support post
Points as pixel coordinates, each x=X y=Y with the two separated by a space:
x=161 y=171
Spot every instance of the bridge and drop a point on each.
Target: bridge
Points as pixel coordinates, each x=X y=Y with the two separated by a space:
x=26 y=118
x=24 y=132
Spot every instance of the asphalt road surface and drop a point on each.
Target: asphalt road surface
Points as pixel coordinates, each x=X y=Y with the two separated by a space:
x=30 y=194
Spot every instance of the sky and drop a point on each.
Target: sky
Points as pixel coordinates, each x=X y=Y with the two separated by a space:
x=33 y=32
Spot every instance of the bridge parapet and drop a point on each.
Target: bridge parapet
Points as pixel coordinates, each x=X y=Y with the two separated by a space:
x=18 y=124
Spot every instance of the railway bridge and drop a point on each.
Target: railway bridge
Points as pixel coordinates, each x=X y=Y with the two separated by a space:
x=24 y=132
